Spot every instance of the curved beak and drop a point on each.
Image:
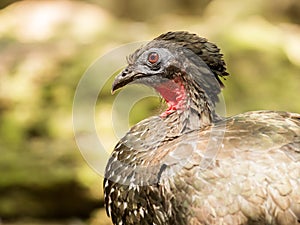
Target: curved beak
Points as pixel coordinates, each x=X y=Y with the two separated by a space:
x=125 y=77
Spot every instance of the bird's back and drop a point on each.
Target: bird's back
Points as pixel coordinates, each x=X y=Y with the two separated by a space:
x=241 y=170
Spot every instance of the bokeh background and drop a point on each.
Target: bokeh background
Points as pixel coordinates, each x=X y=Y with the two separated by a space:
x=45 y=48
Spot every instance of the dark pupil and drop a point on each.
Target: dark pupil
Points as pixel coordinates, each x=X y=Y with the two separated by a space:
x=153 y=57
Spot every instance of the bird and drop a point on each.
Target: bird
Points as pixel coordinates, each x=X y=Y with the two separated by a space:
x=190 y=166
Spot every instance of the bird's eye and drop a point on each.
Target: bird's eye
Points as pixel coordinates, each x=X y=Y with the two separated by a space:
x=153 y=57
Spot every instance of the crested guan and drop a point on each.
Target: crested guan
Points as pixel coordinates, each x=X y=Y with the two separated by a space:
x=189 y=165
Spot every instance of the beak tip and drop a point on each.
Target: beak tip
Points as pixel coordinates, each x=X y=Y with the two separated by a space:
x=112 y=91
x=115 y=86
x=121 y=80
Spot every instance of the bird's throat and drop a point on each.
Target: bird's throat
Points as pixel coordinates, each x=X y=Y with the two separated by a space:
x=174 y=93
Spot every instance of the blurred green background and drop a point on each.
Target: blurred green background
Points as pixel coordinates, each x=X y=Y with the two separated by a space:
x=46 y=46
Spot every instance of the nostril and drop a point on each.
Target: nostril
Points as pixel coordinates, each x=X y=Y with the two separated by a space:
x=125 y=72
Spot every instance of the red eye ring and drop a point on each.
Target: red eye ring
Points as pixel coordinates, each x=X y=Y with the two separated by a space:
x=153 y=57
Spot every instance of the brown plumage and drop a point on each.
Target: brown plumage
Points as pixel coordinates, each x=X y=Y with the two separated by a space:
x=191 y=166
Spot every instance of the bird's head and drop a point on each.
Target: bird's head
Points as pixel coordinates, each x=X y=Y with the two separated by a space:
x=184 y=68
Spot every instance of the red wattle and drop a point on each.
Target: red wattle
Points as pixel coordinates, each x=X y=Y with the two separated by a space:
x=174 y=94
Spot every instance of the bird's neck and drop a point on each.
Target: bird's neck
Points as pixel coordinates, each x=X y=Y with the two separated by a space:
x=187 y=109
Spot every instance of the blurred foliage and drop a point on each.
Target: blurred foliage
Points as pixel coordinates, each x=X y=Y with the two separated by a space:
x=136 y=10
x=45 y=48
x=5 y=3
